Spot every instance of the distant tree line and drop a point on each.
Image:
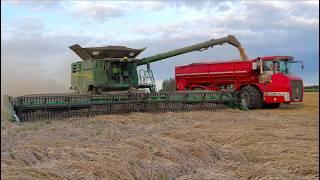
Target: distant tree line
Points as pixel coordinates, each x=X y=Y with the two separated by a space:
x=168 y=85
x=312 y=87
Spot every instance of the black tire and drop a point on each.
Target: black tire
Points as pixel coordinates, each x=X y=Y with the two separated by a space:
x=97 y=91
x=271 y=106
x=152 y=90
x=77 y=91
x=251 y=97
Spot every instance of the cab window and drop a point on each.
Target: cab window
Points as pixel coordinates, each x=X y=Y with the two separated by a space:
x=268 y=66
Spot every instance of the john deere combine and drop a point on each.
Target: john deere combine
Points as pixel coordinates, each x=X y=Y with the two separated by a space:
x=107 y=81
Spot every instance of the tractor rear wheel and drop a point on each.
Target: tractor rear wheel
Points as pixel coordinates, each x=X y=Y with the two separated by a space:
x=251 y=97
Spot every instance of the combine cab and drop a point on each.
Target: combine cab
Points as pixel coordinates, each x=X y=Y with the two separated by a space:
x=106 y=81
x=107 y=69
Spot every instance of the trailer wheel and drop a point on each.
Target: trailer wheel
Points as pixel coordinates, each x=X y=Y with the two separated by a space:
x=271 y=106
x=251 y=97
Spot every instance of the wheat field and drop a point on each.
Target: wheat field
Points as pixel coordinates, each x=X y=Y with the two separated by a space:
x=230 y=144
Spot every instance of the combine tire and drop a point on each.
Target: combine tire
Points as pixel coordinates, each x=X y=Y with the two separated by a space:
x=271 y=106
x=251 y=97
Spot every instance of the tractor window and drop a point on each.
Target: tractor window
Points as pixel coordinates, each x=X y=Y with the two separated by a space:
x=283 y=67
x=277 y=67
x=268 y=66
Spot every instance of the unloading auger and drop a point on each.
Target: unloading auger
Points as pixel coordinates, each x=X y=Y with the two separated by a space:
x=107 y=81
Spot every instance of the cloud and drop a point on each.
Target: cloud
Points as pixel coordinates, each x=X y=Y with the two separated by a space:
x=36 y=59
x=200 y=5
x=23 y=28
x=249 y=18
x=99 y=11
x=36 y=6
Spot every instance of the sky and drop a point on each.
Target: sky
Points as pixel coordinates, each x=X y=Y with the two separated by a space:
x=35 y=35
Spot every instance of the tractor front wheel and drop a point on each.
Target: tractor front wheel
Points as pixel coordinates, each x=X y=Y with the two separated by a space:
x=251 y=97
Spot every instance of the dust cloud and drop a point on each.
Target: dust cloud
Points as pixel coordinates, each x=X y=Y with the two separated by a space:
x=20 y=78
x=32 y=83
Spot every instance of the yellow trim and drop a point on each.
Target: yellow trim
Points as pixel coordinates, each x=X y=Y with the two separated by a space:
x=85 y=75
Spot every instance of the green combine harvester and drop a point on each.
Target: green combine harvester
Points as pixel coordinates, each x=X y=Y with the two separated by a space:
x=107 y=81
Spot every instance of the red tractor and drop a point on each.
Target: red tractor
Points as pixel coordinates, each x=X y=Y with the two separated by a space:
x=262 y=82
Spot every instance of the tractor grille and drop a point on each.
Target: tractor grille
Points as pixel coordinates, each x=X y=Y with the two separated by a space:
x=296 y=86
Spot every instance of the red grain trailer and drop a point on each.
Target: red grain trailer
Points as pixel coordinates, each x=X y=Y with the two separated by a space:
x=262 y=82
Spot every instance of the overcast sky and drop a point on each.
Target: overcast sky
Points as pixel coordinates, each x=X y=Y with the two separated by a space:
x=35 y=35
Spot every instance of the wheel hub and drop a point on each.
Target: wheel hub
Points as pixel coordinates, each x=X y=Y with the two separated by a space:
x=245 y=99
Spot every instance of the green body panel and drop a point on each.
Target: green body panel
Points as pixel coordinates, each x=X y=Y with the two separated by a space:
x=88 y=76
x=82 y=75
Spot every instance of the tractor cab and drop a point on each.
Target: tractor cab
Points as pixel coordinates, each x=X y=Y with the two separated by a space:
x=274 y=65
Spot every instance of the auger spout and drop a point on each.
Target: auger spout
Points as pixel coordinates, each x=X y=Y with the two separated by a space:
x=230 y=39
